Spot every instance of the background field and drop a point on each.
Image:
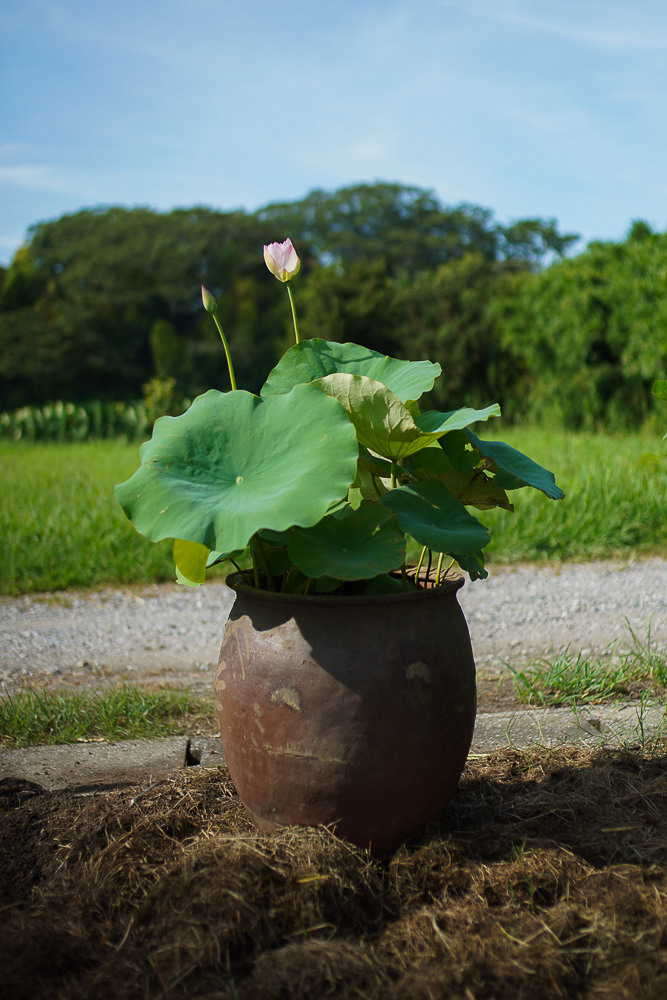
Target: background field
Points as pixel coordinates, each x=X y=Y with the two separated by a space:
x=60 y=525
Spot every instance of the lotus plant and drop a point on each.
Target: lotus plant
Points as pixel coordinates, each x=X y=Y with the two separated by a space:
x=317 y=483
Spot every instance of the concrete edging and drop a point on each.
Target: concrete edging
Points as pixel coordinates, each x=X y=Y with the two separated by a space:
x=86 y=766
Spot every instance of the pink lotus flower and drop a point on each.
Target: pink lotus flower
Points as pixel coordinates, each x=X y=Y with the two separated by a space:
x=281 y=260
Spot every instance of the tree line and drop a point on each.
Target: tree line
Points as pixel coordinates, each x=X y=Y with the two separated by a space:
x=98 y=303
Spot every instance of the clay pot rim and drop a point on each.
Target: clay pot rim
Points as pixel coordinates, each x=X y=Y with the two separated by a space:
x=450 y=584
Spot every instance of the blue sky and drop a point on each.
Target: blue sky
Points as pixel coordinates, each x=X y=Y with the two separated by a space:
x=553 y=108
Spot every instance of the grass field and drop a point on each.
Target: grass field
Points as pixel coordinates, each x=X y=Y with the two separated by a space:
x=60 y=525
x=32 y=718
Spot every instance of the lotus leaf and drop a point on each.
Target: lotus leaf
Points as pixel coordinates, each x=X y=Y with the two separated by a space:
x=226 y=468
x=314 y=359
x=516 y=470
x=384 y=424
x=359 y=545
x=434 y=518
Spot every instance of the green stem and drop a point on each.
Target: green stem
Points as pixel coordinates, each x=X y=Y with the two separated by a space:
x=419 y=565
x=437 y=572
x=232 y=379
x=241 y=571
x=257 y=548
x=291 y=302
x=394 y=467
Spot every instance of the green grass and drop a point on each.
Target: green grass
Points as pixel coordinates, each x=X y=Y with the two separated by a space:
x=615 y=499
x=128 y=712
x=60 y=525
x=569 y=679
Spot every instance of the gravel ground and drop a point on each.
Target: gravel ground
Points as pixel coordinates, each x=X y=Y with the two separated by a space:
x=166 y=633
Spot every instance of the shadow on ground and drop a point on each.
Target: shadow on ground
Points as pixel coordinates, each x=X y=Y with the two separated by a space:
x=546 y=877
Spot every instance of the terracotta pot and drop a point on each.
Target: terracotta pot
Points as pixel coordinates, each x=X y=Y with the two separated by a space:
x=356 y=712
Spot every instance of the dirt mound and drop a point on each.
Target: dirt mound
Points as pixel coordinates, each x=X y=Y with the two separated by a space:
x=546 y=877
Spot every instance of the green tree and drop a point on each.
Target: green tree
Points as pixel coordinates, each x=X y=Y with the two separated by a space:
x=409 y=228
x=589 y=334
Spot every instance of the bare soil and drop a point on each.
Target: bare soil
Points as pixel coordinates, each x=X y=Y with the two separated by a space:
x=545 y=878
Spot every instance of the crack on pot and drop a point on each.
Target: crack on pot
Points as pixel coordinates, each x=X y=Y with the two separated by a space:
x=279 y=752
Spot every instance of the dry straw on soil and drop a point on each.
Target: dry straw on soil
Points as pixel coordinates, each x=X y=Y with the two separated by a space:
x=545 y=878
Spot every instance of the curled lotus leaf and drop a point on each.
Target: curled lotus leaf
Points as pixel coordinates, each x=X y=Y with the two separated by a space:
x=384 y=424
x=514 y=469
x=235 y=464
x=314 y=359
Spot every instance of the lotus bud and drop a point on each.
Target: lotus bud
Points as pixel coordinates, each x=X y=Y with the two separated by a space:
x=210 y=305
x=281 y=260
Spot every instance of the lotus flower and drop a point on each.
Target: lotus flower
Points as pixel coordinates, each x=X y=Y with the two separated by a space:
x=210 y=305
x=281 y=260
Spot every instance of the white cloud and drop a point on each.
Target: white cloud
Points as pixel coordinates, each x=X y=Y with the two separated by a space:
x=606 y=25
x=38 y=178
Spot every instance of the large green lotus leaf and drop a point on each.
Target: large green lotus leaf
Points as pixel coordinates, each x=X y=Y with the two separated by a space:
x=276 y=538
x=360 y=545
x=313 y=359
x=234 y=464
x=383 y=422
x=515 y=469
x=433 y=517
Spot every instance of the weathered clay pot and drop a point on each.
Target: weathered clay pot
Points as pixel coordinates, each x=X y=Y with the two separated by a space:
x=352 y=711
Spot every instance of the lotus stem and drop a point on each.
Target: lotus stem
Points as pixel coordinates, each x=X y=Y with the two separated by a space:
x=428 y=568
x=437 y=572
x=419 y=564
x=241 y=571
x=291 y=302
x=230 y=366
x=394 y=467
x=257 y=549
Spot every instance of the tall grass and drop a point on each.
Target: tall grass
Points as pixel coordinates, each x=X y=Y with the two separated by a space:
x=60 y=525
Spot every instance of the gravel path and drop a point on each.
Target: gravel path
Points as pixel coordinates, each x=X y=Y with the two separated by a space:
x=168 y=633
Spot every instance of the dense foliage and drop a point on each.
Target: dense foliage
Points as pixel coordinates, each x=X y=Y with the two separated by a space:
x=99 y=302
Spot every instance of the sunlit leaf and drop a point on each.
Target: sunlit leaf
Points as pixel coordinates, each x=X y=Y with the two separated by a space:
x=313 y=359
x=191 y=559
x=515 y=469
x=384 y=424
x=235 y=464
